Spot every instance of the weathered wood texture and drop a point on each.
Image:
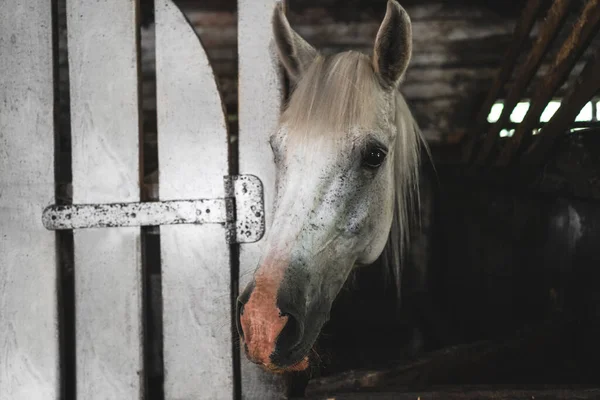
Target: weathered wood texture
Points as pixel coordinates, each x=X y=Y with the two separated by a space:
x=347 y=8
x=473 y=393
x=459 y=47
x=105 y=115
x=520 y=37
x=570 y=50
x=29 y=361
x=551 y=26
x=481 y=360
x=193 y=159
x=586 y=86
x=457 y=50
x=260 y=101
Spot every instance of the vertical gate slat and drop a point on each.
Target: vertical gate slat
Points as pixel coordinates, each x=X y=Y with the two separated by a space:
x=103 y=69
x=193 y=160
x=29 y=365
x=260 y=101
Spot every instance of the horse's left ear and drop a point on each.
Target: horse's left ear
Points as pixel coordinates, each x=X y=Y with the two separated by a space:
x=294 y=52
x=393 y=44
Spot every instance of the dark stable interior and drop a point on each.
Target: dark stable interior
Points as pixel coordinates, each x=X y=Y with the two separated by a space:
x=511 y=284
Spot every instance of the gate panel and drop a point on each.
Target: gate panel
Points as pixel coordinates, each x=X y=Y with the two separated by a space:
x=260 y=100
x=103 y=68
x=28 y=272
x=193 y=160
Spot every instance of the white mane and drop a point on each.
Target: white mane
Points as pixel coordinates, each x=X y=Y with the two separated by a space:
x=341 y=91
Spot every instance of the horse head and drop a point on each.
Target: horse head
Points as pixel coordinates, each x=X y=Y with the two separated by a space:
x=346 y=152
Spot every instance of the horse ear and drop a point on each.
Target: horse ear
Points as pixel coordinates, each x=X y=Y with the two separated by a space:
x=393 y=44
x=294 y=52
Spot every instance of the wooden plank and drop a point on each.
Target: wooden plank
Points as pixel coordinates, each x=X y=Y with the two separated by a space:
x=582 y=91
x=548 y=31
x=519 y=39
x=472 y=393
x=260 y=101
x=367 y=8
x=480 y=361
x=193 y=159
x=29 y=360
x=572 y=48
x=103 y=70
x=494 y=360
x=449 y=37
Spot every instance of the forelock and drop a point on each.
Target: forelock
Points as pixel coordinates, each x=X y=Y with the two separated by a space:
x=336 y=94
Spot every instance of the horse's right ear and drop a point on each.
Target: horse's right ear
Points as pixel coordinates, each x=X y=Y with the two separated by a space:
x=393 y=45
x=294 y=52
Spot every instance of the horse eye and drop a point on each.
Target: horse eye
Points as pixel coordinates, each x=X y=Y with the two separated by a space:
x=374 y=157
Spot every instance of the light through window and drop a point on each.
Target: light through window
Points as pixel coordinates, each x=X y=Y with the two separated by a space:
x=589 y=113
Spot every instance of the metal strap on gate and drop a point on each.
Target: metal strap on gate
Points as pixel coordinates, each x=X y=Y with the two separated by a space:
x=241 y=212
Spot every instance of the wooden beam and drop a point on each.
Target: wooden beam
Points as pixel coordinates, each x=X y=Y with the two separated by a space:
x=465 y=362
x=572 y=48
x=351 y=7
x=582 y=91
x=520 y=36
x=473 y=393
x=550 y=28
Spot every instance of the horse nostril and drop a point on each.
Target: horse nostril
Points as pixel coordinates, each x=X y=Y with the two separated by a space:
x=291 y=334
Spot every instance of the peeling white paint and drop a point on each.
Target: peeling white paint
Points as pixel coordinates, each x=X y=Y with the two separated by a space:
x=210 y=211
x=242 y=213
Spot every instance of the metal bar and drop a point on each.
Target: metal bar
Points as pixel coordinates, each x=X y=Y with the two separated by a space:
x=550 y=28
x=82 y=216
x=520 y=36
x=581 y=92
x=242 y=212
x=572 y=48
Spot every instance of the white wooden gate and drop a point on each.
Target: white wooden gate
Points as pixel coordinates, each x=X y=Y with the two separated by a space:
x=104 y=59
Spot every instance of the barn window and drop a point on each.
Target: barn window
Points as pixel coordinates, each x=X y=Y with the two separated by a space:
x=589 y=113
x=586 y=113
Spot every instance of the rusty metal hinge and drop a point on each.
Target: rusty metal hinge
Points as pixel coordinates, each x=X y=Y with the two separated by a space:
x=241 y=212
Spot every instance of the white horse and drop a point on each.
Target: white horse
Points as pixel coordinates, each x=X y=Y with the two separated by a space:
x=347 y=152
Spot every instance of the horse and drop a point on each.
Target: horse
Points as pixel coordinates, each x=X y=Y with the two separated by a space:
x=347 y=151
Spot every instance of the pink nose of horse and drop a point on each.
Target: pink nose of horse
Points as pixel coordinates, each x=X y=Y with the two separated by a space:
x=266 y=327
x=262 y=323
